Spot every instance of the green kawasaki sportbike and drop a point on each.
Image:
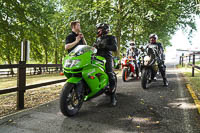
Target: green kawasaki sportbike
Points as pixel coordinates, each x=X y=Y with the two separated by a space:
x=86 y=79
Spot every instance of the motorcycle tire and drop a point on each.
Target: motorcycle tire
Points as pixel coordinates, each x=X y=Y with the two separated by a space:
x=125 y=74
x=67 y=96
x=145 y=78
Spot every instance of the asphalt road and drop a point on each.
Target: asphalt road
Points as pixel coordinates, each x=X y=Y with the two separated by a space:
x=156 y=110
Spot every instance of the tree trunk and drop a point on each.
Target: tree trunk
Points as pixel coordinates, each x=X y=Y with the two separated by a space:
x=46 y=55
x=119 y=27
x=46 y=59
x=9 y=59
x=56 y=56
x=10 y=63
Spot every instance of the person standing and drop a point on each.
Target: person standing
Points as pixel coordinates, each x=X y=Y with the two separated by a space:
x=75 y=38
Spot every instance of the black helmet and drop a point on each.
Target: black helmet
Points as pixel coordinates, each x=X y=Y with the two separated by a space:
x=153 y=36
x=104 y=27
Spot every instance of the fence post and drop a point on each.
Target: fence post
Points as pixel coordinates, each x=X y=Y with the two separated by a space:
x=189 y=58
x=61 y=68
x=193 y=64
x=21 y=83
x=182 y=60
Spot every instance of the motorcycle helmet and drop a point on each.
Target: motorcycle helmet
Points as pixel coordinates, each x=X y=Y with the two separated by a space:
x=141 y=47
x=153 y=36
x=131 y=43
x=105 y=27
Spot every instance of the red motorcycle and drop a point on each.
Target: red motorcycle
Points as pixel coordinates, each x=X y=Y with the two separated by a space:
x=128 y=67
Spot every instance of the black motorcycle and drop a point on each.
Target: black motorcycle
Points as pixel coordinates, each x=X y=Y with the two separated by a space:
x=149 y=65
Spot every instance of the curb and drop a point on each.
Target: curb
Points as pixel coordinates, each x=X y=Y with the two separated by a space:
x=192 y=93
x=195 y=98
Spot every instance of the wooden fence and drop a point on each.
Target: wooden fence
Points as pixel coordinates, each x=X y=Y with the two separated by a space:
x=190 y=60
x=21 y=80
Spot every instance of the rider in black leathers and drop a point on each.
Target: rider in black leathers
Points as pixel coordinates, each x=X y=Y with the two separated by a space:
x=161 y=64
x=105 y=44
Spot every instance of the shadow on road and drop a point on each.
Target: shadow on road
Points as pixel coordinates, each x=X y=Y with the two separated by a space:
x=138 y=110
x=126 y=116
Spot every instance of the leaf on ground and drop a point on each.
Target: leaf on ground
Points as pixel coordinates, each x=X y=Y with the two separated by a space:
x=179 y=105
x=138 y=126
x=157 y=122
x=10 y=120
x=129 y=117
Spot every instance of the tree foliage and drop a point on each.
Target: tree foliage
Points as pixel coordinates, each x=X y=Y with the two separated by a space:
x=46 y=23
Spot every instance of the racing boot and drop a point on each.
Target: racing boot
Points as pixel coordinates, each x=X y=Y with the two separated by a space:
x=113 y=99
x=166 y=83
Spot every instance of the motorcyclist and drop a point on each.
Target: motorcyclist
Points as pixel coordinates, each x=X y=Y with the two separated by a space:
x=133 y=52
x=141 y=51
x=141 y=54
x=105 y=44
x=161 y=65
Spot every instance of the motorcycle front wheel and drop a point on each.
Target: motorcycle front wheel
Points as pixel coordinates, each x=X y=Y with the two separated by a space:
x=146 y=74
x=125 y=74
x=71 y=100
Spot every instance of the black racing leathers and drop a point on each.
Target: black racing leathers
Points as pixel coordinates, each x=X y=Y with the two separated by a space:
x=160 y=60
x=105 y=45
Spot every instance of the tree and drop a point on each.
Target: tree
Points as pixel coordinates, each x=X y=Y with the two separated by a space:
x=46 y=23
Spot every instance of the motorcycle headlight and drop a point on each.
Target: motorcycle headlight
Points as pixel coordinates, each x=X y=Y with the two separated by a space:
x=71 y=63
x=147 y=58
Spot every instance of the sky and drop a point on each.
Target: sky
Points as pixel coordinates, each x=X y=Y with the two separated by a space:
x=180 y=41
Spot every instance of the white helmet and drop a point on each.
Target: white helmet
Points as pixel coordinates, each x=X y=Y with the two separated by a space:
x=131 y=43
x=153 y=36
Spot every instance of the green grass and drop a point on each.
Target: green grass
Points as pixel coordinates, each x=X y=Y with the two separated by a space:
x=197 y=63
x=12 y=81
x=194 y=81
x=178 y=66
x=33 y=97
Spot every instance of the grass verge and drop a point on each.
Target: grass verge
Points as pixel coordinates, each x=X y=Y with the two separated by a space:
x=33 y=97
x=8 y=82
x=193 y=81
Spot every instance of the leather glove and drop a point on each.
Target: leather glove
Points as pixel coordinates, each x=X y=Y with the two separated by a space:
x=96 y=45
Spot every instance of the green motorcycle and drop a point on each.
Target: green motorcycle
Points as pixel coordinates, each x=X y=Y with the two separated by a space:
x=116 y=62
x=86 y=79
